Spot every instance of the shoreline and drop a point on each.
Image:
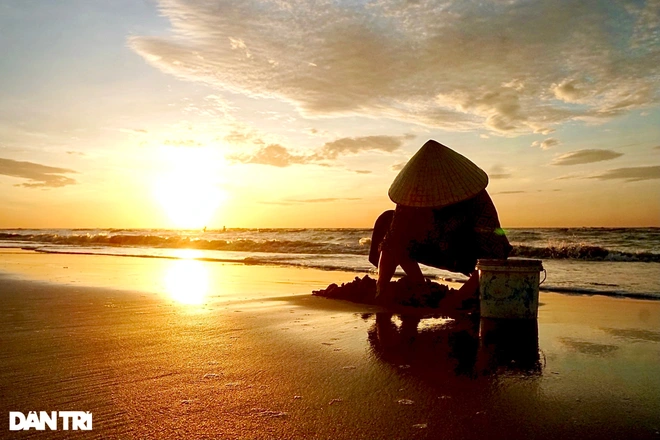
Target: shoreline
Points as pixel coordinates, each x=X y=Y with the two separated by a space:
x=256 y=356
x=343 y=272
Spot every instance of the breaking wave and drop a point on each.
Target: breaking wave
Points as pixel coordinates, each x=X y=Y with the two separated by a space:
x=584 y=253
x=328 y=246
x=178 y=242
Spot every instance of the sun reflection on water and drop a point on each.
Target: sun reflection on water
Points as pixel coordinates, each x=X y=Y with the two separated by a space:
x=187 y=281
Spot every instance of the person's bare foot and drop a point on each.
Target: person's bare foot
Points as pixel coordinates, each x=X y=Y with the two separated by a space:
x=457 y=298
x=384 y=293
x=471 y=287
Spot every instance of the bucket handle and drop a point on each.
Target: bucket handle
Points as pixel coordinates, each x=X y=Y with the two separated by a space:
x=545 y=275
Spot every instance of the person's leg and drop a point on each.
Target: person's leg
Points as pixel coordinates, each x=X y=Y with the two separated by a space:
x=381 y=226
x=471 y=287
x=386 y=266
x=412 y=270
x=468 y=290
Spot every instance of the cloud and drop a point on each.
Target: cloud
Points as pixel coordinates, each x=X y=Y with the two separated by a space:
x=569 y=91
x=279 y=156
x=546 y=144
x=182 y=143
x=398 y=166
x=38 y=176
x=634 y=174
x=138 y=131
x=278 y=203
x=585 y=156
x=351 y=145
x=512 y=67
x=242 y=137
x=288 y=202
x=499 y=172
x=362 y=171
x=569 y=177
x=274 y=155
x=509 y=192
x=324 y=200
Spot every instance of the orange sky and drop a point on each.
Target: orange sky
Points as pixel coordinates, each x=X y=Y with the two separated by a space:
x=179 y=114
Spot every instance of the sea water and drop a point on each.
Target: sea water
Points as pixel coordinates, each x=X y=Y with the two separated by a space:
x=607 y=261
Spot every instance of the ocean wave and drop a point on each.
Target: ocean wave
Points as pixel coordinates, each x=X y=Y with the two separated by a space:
x=602 y=292
x=584 y=253
x=315 y=242
x=182 y=242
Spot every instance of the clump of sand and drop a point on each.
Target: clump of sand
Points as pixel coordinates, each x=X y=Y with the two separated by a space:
x=402 y=292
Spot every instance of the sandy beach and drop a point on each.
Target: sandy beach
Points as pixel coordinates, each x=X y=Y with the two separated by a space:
x=160 y=349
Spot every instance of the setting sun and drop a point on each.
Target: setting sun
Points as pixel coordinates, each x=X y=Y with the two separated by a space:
x=187 y=190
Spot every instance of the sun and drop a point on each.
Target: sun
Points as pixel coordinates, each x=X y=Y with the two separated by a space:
x=188 y=200
x=188 y=192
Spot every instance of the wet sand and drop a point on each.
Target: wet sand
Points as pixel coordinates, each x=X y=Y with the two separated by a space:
x=160 y=349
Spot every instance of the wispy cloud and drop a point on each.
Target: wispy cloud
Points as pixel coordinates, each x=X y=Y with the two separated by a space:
x=182 y=143
x=288 y=202
x=499 y=172
x=274 y=155
x=354 y=145
x=279 y=156
x=398 y=166
x=546 y=144
x=569 y=177
x=243 y=137
x=38 y=176
x=324 y=200
x=585 y=156
x=633 y=174
x=512 y=67
x=138 y=131
x=509 y=192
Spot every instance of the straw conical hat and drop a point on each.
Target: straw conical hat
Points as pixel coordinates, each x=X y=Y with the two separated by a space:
x=437 y=176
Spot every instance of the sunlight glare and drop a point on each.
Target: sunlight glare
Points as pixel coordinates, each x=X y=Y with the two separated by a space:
x=187 y=190
x=187 y=282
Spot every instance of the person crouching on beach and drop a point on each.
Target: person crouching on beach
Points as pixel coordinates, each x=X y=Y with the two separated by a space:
x=444 y=218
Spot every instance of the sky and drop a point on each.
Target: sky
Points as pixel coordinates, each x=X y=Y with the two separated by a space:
x=276 y=113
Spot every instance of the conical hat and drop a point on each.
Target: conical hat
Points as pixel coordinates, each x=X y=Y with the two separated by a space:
x=437 y=176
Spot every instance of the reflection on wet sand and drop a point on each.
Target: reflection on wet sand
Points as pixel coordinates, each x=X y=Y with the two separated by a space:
x=452 y=350
x=187 y=281
x=509 y=346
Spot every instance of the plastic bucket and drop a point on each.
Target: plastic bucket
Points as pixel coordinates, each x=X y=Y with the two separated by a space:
x=509 y=289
